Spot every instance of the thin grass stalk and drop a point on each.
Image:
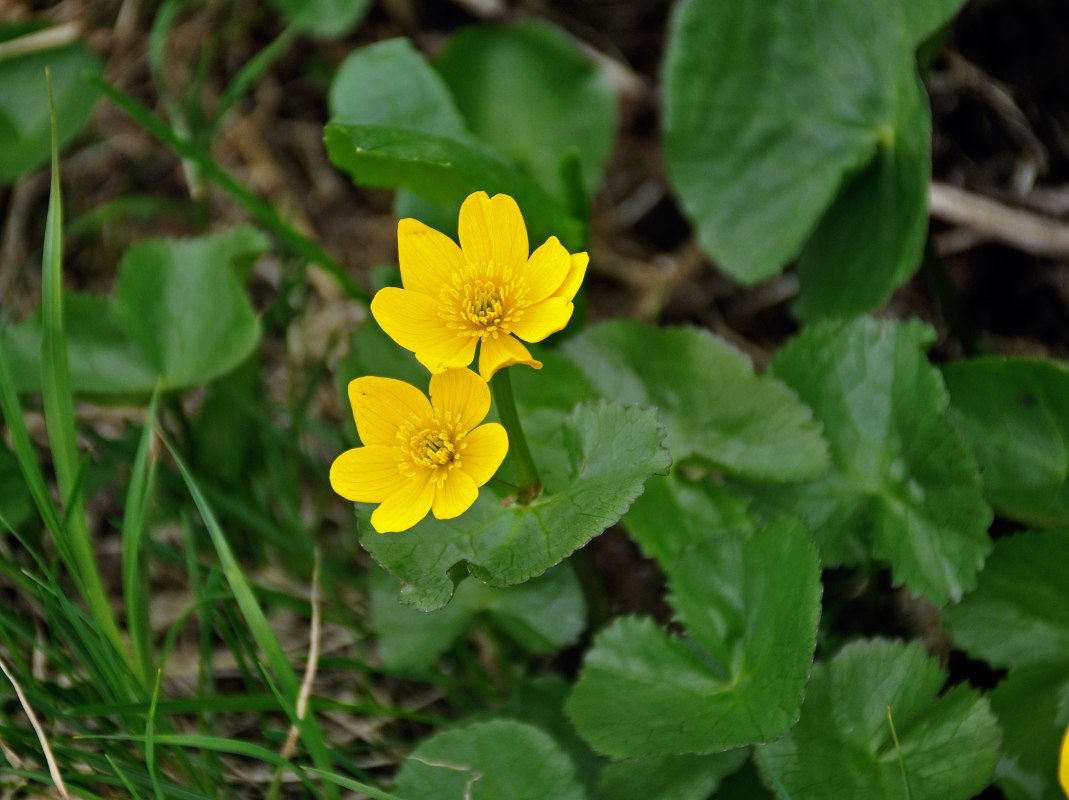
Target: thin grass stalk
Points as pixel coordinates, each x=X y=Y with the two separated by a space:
x=58 y=398
x=261 y=631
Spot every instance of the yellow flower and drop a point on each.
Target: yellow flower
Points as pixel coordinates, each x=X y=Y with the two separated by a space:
x=488 y=290
x=419 y=456
x=1063 y=764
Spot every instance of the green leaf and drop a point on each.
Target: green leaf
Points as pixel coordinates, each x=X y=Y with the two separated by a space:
x=543 y=615
x=750 y=606
x=674 y=513
x=1018 y=614
x=684 y=777
x=496 y=760
x=1015 y=414
x=708 y=397
x=15 y=500
x=180 y=302
x=1032 y=705
x=104 y=359
x=329 y=19
x=540 y=702
x=178 y=312
x=784 y=118
x=529 y=92
x=444 y=172
x=392 y=83
x=25 y=132
x=610 y=450
x=902 y=486
x=842 y=747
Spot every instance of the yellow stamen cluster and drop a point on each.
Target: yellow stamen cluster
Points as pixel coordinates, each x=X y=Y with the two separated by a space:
x=482 y=301
x=435 y=444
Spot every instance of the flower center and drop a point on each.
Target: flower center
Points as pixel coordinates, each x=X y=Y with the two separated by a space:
x=482 y=300
x=433 y=443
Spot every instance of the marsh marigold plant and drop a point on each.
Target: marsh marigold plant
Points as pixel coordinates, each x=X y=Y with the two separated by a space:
x=1063 y=763
x=491 y=291
x=419 y=455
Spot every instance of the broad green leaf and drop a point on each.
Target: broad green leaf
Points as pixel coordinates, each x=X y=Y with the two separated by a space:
x=1019 y=613
x=392 y=83
x=1032 y=705
x=708 y=397
x=529 y=92
x=543 y=615
x=750 y=606
x=326 y=18
x=902 y=486
x=540 y=702
x=674 y=513
x=787 y=115
x=683 y=777
x=842 y=747
x=496 y=760
x=25 y=132
x=104 y=359
x=444 y=171
x=1015 y=414
x=178 y=311
x=610 y=450
x=181 y=303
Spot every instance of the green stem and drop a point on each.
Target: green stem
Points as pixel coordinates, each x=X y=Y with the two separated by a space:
x=530 y=485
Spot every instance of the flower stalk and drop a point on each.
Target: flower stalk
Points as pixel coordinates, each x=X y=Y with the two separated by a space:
x=527 y=474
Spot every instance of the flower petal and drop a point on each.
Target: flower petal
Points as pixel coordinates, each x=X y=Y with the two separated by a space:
x=1063 y=763
x=402 y=510
x=546 y=270
x=366 y=474
x=542 y=319
x=492 y=229
x=463 y=395
x=576 y=273
x=484 y=450
x=454 y=496
x=382 y=405
x=503 y=351
x=428 y=259
x=412 y=319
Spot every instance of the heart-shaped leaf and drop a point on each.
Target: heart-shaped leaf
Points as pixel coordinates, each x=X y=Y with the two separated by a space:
x=796 y=128
x=709 y=398
x=902 y=486
x=1015 y=414
x=750 y=606
x=843 y=745
x=496 y=760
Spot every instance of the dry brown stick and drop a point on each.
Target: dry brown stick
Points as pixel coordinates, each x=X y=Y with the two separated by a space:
x=53 y=767
x=1022 y=229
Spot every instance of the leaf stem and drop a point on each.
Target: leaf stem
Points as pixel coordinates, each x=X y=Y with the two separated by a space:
x=530 y=485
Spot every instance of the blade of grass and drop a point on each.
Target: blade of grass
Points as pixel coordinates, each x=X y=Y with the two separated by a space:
x=59 y=404
x=255 y=205
x=247 y=76
x=257 y=622
x=133 y=558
